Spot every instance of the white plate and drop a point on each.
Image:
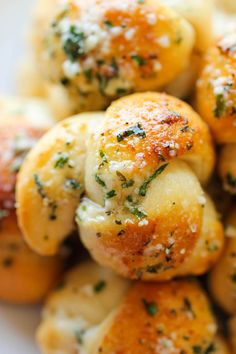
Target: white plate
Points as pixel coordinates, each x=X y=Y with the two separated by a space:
x=17 y=324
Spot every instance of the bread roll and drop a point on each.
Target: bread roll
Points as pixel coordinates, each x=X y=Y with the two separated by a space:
x=85 y=49
x=95 y=311
x=139 y=169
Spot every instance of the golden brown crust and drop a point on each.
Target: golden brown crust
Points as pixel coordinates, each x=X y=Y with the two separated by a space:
x=25 y=276
x=138 y=164
x=148 y=140
x=173 y=129
x=141 y=163
x=145 y=318
x=181 y=312
x=216 y=98
x=50 y=184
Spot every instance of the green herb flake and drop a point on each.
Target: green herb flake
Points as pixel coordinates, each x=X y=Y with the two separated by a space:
x=144 y=186
x=128 y=184
x=213 y=247
x=53 y=207
x=111 y=194
x=99 y=286
x=108 y=23
x=102 y=83
x=39 y=186
x=220 y=106
x=88 y=74
x=140 y=1
x=121 y=91
x=230 y=180
x=65 y=81
x=197 y=349
x=139 y=60
x=103 y=156
x=74 y=46
x=154 y=269
x=99 y=180
x=72 y=184
x=210 y=349
x=133 y=130
x=62 y=159
x=233 y=277
x=121 y=177
x=137 y=212
x=178 y=38
x=187 y=306
x=150 y=307
x=79 y=334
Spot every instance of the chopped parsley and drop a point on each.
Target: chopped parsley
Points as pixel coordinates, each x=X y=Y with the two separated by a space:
x=210 y=349
x=128 y=184
x=135 y=210
x=134 y=130
x=141 y=1
x=144 y=186
x=220 y=106
x=99 y=180
x=16 y=164
x=154 y=268
x=102 y=83
x=108 y=23
x=233 y=277
x=121 y=91
x=103 y=156
x=72 y=183
x=88 y=74
x=125 y=183
x=74 y=44
x=79 y=334
x=213 y=247
x=139 y=60
x=230 y=180
x=197 y=349
x=111 y=194
x=187 y=306
x=65 y=81
x=39 y=186
x=150 y=307
x=62 y=159
x=99 y=286
x=51 y=204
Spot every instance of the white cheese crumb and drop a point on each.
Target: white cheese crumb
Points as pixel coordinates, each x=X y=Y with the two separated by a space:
x=201 y=200
x=230 y=231
x=116 y=31
x=151 y=19
x=193 y=228
x=129 y=34
x=71 y=69
x=163 y=41
x=143 y=222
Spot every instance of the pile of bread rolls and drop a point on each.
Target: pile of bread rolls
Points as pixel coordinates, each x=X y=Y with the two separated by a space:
x=145 y=91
